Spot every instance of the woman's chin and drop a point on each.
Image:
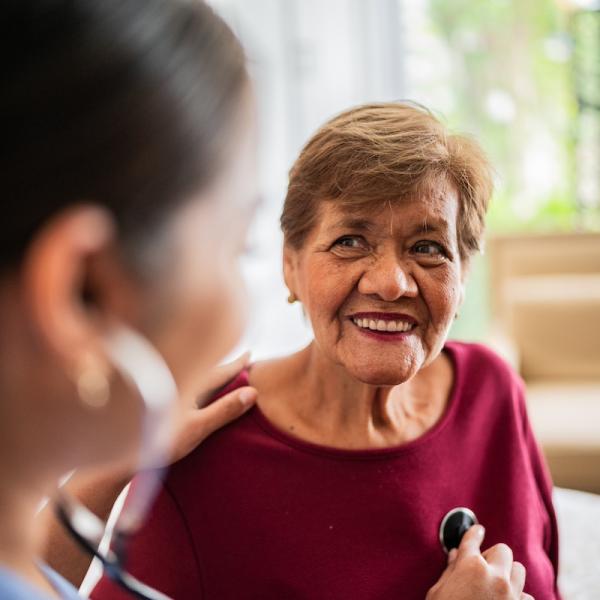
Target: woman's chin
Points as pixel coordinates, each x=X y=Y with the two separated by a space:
x=381 y=375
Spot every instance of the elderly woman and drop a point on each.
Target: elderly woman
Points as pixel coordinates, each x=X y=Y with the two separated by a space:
x=335 y=484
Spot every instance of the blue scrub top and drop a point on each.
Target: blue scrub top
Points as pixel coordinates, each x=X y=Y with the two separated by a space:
x=13 y=586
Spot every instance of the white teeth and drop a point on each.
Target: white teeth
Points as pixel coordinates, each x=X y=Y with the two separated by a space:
x=381 y=325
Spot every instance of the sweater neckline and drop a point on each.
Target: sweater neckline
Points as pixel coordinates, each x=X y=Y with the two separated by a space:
x=371 y=453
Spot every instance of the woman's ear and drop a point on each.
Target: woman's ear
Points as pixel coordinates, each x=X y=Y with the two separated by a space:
x=54 y=274
x=290 y=260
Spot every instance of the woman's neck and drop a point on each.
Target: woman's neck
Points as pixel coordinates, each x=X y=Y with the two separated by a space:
x=317 y=400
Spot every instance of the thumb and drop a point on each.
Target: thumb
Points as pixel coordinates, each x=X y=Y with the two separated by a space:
x=471 y=542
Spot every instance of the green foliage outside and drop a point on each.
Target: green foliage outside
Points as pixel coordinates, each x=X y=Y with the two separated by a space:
x=518 y=69
x=517 y=55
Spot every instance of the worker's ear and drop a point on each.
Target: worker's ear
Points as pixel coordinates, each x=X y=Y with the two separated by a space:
x=56 y=274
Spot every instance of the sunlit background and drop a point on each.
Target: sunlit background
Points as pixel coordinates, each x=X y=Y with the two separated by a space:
x=523 y=77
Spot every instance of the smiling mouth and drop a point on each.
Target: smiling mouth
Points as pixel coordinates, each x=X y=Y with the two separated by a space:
x=381 y=326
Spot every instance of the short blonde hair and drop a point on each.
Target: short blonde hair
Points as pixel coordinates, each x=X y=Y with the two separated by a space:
x=386 y=152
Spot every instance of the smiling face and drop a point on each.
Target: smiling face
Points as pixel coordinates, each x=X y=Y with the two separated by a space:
x=381 y=286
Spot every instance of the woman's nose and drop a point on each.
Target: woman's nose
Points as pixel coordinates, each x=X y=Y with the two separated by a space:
x=388 y=279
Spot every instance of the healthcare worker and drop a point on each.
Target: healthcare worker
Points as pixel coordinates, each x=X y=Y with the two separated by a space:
x=127 y=185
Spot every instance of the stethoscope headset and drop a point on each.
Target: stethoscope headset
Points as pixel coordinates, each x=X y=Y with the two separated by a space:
x=146 y=371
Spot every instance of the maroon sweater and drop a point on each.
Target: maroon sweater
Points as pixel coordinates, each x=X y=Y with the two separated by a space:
x=255 y=513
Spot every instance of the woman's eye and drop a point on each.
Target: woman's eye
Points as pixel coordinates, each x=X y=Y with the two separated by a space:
x=429 y=249
x=350 y=241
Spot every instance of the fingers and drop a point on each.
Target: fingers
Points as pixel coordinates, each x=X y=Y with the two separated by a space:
x=500 y=557
x=517 y=577
x=197 y=424
x=471 y=542
x=491 y=574
x=222 y=411
x=222 y=375
x=452 y=556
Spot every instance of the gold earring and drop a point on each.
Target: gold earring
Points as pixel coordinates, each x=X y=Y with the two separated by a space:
x=292 y=298
x=92 y=383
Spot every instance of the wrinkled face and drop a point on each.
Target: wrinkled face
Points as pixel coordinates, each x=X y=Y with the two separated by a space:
x=381 y=288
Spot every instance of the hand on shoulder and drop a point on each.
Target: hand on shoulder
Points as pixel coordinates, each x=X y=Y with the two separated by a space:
x=202 y=419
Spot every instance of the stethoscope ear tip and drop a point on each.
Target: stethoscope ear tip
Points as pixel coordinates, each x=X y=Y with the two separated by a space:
x=454 y=525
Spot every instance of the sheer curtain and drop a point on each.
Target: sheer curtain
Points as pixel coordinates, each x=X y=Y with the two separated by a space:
x=309 y=60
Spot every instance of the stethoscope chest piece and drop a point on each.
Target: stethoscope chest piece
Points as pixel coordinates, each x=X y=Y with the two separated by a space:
x=454 y=525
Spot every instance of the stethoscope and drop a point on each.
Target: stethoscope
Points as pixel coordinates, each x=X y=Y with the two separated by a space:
x=454 y=525
x=144 y=368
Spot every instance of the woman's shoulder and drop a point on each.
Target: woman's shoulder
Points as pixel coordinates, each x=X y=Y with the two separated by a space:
x=488 y=391
x=227 y=446
x=480 y=357
x=273 y=373
x=480 y=370
x=265 y=376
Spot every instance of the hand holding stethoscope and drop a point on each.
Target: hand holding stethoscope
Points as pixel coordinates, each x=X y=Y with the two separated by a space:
x=471 y=573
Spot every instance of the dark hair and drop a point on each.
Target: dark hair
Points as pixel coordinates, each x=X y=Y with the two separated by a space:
x=124 y=103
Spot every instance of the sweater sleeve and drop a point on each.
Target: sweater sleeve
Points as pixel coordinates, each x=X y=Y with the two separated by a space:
x=543 y=480
x=160 y=555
